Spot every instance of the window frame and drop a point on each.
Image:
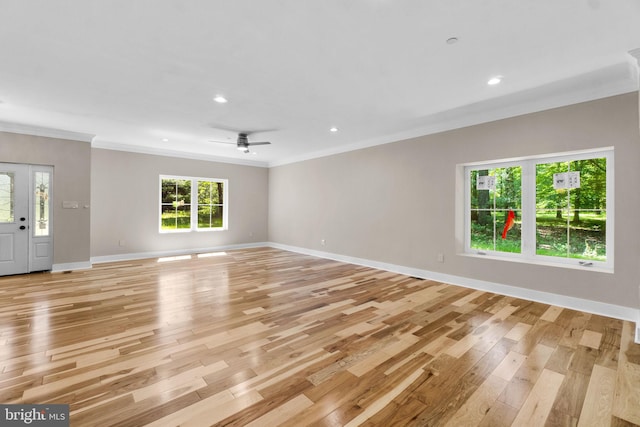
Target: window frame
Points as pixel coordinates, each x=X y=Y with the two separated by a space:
x=528 y=218
x=194 y=204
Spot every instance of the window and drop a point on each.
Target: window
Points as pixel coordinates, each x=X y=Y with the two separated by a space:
x=553 y=209
x=41 y=181
x=188 y=204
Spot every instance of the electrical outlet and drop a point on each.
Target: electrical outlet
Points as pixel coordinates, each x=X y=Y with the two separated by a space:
x=323 y=242
x=122 y=243
x=440 y=257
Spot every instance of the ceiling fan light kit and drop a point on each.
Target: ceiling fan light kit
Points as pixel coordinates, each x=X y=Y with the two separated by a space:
x=243 y=143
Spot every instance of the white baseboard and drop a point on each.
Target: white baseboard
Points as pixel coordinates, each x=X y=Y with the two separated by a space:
x=159 y=254
x=57 y=268
x=595 y=307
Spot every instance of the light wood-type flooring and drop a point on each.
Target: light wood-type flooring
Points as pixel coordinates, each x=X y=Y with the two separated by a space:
x=264 y=337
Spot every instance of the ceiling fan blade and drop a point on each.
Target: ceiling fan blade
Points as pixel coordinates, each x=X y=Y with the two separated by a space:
x=260 y=143
x=223 y=142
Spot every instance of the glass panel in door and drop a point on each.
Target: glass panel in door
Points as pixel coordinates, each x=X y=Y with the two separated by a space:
x=41 y=205
x=6 y=197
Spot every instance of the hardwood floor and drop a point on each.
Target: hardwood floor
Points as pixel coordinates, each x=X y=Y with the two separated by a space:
x=264 y=337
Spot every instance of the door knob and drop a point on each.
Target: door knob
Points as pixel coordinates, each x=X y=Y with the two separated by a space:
x=22 y=227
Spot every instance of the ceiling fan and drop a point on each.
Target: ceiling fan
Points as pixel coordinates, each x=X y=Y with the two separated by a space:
x=243 y=143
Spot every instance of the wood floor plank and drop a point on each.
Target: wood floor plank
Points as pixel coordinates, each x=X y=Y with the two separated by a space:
x=598 y=403
x=477 y=406
x=499 y=415
x=263 y=336
x=536 y=408
x=626 y=403
x=526 y=377
x=551 y=314
x=518 y=331
x=283 y=412
x=383 y=401
x=569 y=402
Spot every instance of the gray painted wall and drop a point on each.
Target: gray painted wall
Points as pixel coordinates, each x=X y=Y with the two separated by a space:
x=125 y=203
x=396 y=203
x=71 y=181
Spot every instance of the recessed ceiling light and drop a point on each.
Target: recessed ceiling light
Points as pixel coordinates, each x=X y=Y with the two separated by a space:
x=494 y=80
x=333 y=129
x=452 y=40
x=165 y=139
x=220 y=99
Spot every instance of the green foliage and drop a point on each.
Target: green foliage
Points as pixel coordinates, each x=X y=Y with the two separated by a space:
x=176 y=190
x=507 y=194
x=587 y=240
x=176 y=220
x=592 y=194
x=210 y=193
x=482 y=238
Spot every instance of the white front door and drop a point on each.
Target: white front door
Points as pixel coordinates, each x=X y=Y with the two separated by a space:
x=14 y=209
x=25 y=218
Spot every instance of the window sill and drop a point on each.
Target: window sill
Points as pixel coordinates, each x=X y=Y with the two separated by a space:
x=189 y=230
x=595 y=267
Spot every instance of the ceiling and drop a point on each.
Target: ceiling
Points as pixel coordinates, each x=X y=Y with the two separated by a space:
x=141 y=75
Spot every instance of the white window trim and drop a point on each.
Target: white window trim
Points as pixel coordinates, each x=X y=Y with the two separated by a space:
x=528 y=253
x=194 y=206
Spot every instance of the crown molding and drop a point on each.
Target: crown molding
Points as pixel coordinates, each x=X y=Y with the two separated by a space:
x=24 y=129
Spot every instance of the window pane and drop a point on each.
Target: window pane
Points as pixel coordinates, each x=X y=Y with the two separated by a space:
x=204 y=192
x=41 y=208
x=210 y=192
x=183 y=190
x=174 y=218
x=571 y=219
x=218 y=193
x=210 y=204
x=168 y=190
x=496 y=210
x=205 y=216
x=210 y=216
x=6 y=196
x=176 y=191
x=216 y=216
